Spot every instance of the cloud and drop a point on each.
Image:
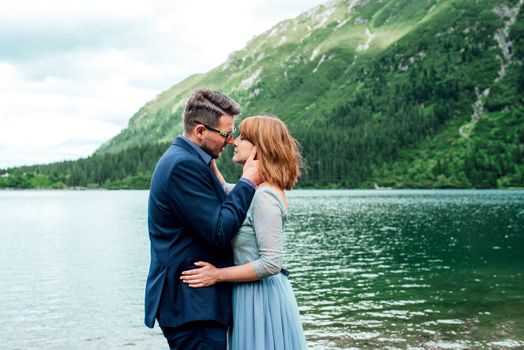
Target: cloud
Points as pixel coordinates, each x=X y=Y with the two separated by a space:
x=41 y=117
x=72 y=73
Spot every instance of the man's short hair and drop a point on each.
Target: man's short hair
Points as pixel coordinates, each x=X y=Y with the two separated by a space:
x=207 y=106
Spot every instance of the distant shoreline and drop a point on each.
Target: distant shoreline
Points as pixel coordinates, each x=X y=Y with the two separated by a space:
x=296 y=189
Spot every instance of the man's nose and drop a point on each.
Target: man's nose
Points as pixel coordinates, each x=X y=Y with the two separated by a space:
x=231 y=141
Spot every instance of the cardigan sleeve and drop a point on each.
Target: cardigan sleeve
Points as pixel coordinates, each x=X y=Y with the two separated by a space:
x=268 y=223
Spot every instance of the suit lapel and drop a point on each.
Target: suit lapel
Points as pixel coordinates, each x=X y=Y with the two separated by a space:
x=216 y=184
x=218 y=187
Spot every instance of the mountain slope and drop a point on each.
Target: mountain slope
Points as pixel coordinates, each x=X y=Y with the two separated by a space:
x=374 y=81
x=396 y=93
x=273 y=65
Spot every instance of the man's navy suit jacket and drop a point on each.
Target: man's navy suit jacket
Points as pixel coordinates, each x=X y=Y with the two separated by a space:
x=190 y=219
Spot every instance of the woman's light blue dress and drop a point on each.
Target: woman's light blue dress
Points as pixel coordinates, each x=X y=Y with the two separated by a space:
x=265 y=312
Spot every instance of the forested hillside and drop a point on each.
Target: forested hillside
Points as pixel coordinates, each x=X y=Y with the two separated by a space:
x=393 y=93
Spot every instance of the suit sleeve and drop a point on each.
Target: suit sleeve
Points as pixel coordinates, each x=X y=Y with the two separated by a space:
x=195 y=199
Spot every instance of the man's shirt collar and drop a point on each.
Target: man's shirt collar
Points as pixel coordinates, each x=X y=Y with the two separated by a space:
x=206 y=157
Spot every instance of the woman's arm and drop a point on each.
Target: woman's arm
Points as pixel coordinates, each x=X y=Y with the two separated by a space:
x=217 y=172
x=226 y=186
x=268 y=226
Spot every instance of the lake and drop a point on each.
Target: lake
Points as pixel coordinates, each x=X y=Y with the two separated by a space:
x=371 y=269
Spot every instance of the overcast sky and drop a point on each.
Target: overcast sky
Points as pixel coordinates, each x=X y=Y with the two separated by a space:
x=73 y=72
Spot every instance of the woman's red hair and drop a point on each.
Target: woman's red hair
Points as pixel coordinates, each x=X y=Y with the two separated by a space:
x=277 y=151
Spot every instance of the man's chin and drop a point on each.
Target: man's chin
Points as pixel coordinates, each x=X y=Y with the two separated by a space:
x=216 y=155
x=212 y=153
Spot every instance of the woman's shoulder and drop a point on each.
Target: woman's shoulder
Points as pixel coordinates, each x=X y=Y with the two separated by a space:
x=267 y=196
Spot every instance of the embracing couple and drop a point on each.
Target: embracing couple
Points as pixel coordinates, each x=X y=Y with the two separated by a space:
x=206 y=234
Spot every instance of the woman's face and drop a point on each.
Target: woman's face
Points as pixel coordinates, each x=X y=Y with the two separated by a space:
x=242 y=150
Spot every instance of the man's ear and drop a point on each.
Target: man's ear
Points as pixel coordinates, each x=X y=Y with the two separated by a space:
x=199 y=130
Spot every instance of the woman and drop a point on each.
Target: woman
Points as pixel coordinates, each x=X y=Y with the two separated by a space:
x=265 y=312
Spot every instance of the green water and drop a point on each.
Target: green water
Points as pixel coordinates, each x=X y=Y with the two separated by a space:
x=371 y=269
x=401 y=269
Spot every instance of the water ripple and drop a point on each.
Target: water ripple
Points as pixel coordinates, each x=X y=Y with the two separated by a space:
x=370 y=269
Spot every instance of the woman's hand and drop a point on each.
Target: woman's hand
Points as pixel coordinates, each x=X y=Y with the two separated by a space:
x=215 y=171
x=205 y=276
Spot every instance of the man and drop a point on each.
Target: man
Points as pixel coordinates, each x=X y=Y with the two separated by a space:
x=191 y=219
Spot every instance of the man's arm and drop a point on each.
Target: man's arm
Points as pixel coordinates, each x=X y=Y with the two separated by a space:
x=267 y=222
x=194 y=198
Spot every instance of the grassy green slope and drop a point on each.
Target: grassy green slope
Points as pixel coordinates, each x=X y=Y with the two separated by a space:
x=394 y=93
x=484 y=149
x=278 y=66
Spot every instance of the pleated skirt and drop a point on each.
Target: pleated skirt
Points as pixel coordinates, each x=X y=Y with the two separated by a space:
x=265 y=316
